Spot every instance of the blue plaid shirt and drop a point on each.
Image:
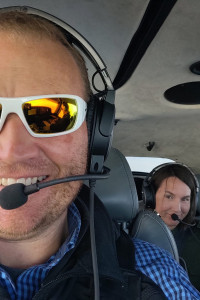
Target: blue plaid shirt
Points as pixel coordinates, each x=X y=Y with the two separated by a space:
x=154 y=262
x=159 y=265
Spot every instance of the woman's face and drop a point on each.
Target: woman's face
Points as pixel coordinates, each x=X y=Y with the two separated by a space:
x=173 y=197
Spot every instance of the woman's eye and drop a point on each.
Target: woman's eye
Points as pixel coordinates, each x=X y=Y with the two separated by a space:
x=169 y=196
x=186 y=199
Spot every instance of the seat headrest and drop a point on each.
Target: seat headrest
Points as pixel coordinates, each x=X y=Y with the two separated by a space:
x=118 y=192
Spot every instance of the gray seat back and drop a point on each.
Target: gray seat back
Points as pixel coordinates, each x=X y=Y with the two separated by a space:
x=118 y=192
x=148 y=226
x=119 y=195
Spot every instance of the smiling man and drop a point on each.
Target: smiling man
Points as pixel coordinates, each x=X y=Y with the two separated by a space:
x=45 y=244
x=42 y=69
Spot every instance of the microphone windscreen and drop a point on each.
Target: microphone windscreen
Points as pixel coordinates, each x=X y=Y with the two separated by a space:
x=13 y=196
x=175 y=217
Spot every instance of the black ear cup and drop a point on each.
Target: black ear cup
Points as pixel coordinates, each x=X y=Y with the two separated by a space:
x=90 y=116
x=101 y=116
x=148 y=194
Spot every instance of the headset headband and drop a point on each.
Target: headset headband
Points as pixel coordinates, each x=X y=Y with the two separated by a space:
x=77 y=38
x=151 y=174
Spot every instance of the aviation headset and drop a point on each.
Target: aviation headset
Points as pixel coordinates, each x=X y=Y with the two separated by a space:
x=101 y=108
x=148 y=191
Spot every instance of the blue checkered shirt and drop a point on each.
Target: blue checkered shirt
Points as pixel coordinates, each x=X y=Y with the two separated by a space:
x=159 y=265
x=154 y=262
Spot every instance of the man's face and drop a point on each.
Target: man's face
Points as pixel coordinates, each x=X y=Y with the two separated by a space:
x=38 y=67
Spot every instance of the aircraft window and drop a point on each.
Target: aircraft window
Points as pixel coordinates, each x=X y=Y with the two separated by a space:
x=145 y=164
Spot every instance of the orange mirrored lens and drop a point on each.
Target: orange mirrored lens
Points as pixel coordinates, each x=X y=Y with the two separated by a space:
x=50 y=115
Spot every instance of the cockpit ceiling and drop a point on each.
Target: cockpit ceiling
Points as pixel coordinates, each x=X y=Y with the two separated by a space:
x=145 y=117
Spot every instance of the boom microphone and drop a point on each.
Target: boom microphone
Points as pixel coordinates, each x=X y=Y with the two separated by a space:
x=16 y=195
x=176 y=218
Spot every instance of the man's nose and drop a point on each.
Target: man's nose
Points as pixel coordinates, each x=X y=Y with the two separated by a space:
x=15 y=141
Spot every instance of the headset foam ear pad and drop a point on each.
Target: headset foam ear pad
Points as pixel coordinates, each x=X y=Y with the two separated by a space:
x=90 y=117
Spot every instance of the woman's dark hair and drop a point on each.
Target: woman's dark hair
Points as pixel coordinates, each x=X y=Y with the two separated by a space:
x=184 y=174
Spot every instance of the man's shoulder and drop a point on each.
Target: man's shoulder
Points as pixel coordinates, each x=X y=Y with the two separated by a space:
x=142 y=246
x=150 y=254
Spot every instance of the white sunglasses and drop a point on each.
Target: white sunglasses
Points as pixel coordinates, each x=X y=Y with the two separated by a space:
x=46 y=115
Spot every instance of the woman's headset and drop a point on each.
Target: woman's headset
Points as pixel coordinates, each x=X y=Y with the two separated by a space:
x=148 y=190
x=101 y=108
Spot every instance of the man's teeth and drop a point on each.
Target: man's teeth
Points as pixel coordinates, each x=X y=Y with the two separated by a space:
x=25 y=181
